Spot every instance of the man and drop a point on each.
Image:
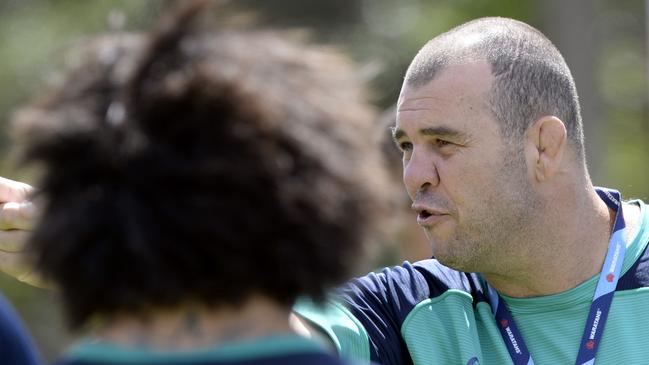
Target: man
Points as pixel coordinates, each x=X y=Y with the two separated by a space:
x=197 y=180
x=533 y=264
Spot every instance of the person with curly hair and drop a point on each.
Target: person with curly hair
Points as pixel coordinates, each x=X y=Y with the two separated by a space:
x=198 y=179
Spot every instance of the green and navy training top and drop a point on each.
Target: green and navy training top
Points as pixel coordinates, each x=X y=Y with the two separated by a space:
x=425 y=313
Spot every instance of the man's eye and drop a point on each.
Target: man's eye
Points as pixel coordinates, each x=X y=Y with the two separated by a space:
x=442 y=143
x=405 y=146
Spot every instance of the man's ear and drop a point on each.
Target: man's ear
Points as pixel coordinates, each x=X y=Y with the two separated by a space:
x=546 y=142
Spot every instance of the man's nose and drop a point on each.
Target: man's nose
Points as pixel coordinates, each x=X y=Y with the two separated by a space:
x=419 y=173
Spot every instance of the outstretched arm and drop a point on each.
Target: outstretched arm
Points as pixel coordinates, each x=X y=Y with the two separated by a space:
x=17 y=217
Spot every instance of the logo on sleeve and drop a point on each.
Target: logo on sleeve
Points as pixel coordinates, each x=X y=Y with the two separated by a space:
x=473 y=361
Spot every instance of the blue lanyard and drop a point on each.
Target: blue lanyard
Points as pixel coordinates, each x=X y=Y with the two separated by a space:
x=599 y=308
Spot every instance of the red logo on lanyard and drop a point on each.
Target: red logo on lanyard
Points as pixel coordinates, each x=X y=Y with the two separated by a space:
x=504 y=323
x=590 y=344
x=610 y=278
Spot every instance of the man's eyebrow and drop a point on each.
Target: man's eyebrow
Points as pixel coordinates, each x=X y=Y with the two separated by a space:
x=441 y=131
x=432 y=131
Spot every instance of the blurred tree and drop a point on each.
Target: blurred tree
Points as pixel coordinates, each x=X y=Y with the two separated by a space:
x=570 y=25
x=622 y=80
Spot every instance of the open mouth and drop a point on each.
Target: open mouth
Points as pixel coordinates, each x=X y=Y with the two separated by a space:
x=428 y=215
x=430 y=218
x=424 y=214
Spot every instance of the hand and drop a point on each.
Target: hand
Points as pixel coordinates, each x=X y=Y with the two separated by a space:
x=17 y=218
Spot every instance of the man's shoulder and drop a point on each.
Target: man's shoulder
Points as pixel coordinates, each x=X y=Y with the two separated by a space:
x=441 y=278
x=381 y=302
x=437 y=277
x=411 y=283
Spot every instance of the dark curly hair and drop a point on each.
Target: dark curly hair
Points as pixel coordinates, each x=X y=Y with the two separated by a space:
x=200 y=163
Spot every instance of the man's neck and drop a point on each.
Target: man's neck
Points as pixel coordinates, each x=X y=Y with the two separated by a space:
x=193 y=326
x=570 y=250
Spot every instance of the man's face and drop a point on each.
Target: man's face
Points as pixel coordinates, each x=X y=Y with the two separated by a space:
x=469 y=186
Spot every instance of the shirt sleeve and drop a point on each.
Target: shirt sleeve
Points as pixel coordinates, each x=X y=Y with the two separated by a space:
x=364 y=317
x=16 y=347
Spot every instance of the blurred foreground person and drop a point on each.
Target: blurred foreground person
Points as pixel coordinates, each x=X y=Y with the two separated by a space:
x=197 y=180
x=16 y=347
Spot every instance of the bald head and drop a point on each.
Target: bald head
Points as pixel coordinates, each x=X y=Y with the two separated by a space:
x=531 y=78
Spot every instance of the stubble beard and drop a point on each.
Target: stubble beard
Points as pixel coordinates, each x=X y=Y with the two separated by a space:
x=493 y=238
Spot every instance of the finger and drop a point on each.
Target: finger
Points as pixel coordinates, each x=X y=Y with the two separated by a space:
x=13 y=241
x=17 y=265
x=14 y=191
x=34 y=279
x=17 y=215
x=14 y=264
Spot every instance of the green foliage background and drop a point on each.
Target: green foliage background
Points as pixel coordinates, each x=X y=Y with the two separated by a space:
x=604 y=42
